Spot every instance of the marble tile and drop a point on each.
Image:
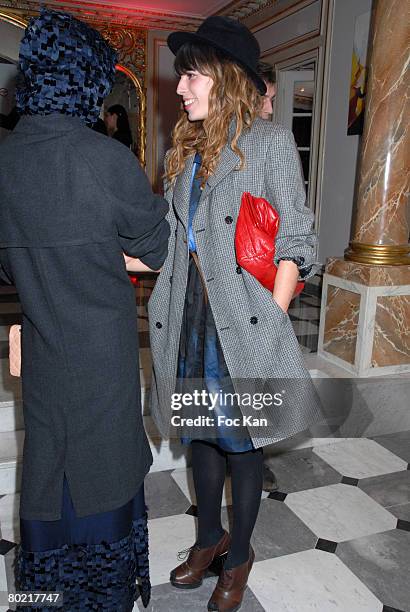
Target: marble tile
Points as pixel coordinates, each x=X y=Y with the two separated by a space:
x=301 y=469
x=305 y=350
x=389 y=489
x=398 y=443
x=10 y=386
x=305 y=312
x=145 y=359
x=142 y=311
x=310 y=300
x=310 y=341
x=7 y=570
x=340 y=512
x=143 y=337
x=391 y=341
x=166 y=598
x=360 y=458
x=310 y=580
x=185 y=481
x=8 y=307
x=163 y=496
x=304 y=328
x=168 y=536
x=4 y=349
x=341 y=323
x=381 y=561
x=9 y=517
x=278 y=531
x=8 y=293
x=401 y=511
x=143 y=324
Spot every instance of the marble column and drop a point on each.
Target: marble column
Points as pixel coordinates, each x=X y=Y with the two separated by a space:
x=381 y=230
x=365 y=314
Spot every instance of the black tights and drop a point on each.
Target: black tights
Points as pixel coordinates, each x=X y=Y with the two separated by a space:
x=209 y=469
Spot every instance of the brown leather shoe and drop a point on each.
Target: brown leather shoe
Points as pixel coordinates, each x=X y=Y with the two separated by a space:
x=229 y=590
x=190 y=573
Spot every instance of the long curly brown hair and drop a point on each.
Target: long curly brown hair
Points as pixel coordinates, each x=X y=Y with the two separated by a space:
x=233 y=96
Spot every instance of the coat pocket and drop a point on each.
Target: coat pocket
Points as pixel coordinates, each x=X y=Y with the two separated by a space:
x=281 y=313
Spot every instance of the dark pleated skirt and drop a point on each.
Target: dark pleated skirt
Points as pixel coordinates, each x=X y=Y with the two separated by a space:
x=99 y=562
x=201 y=357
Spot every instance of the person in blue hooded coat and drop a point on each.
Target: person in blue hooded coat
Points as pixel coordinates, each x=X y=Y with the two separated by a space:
x=72 y=203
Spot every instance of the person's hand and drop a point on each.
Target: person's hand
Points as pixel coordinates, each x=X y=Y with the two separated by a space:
x=136 y=265
x=285 y=283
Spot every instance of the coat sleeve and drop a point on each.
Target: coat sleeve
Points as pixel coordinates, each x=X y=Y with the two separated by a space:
x=296 y=240
x=138 y=213
x=141 y=219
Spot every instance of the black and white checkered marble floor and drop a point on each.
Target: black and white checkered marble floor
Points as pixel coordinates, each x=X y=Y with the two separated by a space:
x=335 y=537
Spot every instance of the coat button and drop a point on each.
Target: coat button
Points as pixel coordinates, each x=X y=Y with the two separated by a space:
x=158 y=325
x=228 y=220
x=254 y=320
x=238 y=270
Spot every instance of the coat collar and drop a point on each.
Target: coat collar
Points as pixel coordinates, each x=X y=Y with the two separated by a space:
x=55 y=122
x=228 y=161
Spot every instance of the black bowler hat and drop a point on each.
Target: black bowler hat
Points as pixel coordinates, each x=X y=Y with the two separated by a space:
x=231 y=38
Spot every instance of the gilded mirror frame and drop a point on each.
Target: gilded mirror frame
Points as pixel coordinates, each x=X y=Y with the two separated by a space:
x=22 y=22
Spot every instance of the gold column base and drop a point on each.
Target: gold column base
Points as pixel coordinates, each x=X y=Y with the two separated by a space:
x=378 y=254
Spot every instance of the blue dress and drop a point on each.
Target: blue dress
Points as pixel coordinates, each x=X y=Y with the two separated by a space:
x=96 y=561
x=200 y=352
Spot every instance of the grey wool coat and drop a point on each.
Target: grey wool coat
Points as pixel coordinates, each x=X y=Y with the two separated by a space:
x=71 y=201
x=256 y=335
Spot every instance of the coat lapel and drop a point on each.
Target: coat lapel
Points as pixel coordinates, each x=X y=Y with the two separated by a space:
x=228 y=162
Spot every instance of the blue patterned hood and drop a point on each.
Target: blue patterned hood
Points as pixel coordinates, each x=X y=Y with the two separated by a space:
x=66 y=67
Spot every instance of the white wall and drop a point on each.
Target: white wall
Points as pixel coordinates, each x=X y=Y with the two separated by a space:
x=289 y=28
x=162 y=102
x=340 y=150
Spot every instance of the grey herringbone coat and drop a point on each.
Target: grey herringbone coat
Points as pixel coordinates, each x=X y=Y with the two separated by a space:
x=256 y=336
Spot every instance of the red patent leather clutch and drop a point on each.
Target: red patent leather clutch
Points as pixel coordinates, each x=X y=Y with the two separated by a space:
x=256 y=229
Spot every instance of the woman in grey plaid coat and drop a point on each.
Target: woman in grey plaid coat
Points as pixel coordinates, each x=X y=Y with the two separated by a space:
x=210 y=320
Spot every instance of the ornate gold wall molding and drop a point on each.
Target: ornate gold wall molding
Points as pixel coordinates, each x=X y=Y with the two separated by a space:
x=130 y=44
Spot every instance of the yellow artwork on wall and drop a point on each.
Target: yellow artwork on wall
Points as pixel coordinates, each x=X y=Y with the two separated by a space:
x=358 y=75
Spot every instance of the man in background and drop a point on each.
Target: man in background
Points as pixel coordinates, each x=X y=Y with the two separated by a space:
x=267 y=72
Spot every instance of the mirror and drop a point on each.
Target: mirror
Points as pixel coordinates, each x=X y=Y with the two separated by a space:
x=129 y=94
x=8 y=115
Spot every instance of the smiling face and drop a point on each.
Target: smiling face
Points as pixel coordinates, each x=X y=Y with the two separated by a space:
x=194 y=88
